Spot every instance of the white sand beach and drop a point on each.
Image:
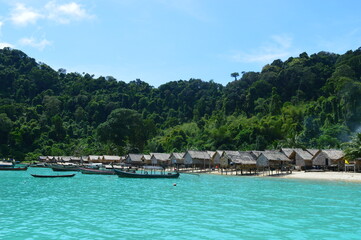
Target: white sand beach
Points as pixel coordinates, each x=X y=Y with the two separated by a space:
x=329 y=176
x=332 y=176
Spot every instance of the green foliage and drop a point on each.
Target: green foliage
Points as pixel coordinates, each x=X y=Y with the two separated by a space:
x=306 y=101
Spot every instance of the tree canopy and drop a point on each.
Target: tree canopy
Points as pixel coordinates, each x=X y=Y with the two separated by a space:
x=306 y=101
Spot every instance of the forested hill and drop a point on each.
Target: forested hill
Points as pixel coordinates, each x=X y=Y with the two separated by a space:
x=309 y=101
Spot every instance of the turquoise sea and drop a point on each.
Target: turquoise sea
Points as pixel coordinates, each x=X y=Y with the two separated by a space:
x=198 y=207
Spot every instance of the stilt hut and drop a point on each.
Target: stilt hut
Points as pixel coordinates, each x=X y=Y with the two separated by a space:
x=147 y=159
x=43 y=159
x=197 y=159
x=243 y=161
x=94 y=159
x=176 y=159
x=134 y=159
x=160 y=159
x=302 y=159
x=330 y=159
x=53 y=159
x=225 y=161
x=106 y=159
x=273 y=161
x=65 y=159
x=76 y=160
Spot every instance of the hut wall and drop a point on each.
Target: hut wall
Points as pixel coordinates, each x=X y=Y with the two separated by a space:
x=154 y=161
x=300 y=162
x=173 y=160
x=262 y=161
x=308 y=164
x=320 y=160
x=188 y=160
x=216 y=159
x=201 y=162
x=224 y=162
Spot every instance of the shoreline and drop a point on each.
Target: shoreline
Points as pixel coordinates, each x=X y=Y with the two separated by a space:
x=326 y=176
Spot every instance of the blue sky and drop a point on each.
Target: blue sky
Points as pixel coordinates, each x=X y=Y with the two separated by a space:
x=166 y=40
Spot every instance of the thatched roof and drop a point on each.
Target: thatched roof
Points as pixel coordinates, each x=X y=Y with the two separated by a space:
x=227 y=152
x=220 y=152
x=288 y=151
x=245 y=158
x=313 y=151
x=177 y=155
x=334 y=154
x=161 y=156
x=257 y=153
x=147 y=157
x=93 y=158
x=275 y=156
x=303 y=154
x=199 y=155
x=111 y=158
x=65 y=158
x=211 y=153
x=135 y=157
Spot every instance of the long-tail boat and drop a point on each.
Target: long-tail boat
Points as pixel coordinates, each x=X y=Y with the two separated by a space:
x=13 y=168
x=62 y=168
x=147 y=172
x=97 y=171
x=52 y=176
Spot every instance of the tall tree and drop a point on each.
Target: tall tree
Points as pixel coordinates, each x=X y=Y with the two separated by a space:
x=235 y=75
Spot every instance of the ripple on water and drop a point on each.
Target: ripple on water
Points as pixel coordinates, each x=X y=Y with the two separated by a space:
x=205 y=207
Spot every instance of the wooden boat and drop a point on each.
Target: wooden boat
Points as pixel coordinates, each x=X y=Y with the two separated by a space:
x=13 y=168
x=62 y=168
x=97 y=171
x=52 y=176
x=147 y=172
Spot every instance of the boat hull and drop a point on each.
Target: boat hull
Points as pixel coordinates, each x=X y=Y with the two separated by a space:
x=96 y=171
x=123 y=174
x=64 y=169
x=13 y=168
x=52 y=176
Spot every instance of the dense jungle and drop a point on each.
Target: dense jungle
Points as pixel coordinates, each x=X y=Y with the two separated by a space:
x=309 y=101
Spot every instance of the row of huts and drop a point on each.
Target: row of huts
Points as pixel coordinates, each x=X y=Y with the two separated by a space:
x=285 y=158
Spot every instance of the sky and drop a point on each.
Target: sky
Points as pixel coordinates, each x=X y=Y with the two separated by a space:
x=159 y=41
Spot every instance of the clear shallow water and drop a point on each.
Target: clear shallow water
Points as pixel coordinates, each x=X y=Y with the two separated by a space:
x=204 y=207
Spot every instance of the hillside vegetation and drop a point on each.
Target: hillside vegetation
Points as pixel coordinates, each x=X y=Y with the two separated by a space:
x=308 y=101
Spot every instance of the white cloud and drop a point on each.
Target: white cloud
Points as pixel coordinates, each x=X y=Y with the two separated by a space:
x=279 y=47
x=66 y=13
x=4 y=44
x=32 y=42
x=22 y=15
